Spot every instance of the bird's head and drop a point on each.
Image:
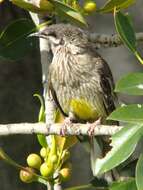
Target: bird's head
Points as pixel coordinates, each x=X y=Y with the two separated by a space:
x=62 y=34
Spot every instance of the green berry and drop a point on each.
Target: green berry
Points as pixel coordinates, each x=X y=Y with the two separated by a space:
x=46 y=170
x=89 y=6
x=65 y=174
x=34 y=161
x=27 y=175
x=43 y=152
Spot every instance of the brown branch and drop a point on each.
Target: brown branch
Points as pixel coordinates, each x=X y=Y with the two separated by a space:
x=104 y=40
x=43 y=128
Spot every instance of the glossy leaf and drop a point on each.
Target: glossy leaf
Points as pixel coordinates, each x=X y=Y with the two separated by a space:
x=131 y=84
x=129 y=184
x=139 y=173
x=129 y=113
x=67 y=12
x=138 y=56
x=46 y=6
x=125 y=30
x=119 y=4
x=42 y=140
x=123 y=144
x=14 y=43
x=41 y=118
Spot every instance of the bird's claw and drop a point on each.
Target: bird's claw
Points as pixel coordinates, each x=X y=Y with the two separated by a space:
x=92 y=126
x=67 y=123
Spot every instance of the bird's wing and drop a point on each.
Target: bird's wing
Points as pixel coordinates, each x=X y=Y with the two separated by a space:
x=101 y=77
x=107 y=88
x=54 y=95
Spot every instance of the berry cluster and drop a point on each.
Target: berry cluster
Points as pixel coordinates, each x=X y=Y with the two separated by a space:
x=52 y=164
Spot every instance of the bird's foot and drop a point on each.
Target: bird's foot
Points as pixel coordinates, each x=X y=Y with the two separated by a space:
x=92 y=126
x=67 y=123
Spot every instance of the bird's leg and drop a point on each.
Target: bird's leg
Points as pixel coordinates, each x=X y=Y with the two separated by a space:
x=93 y=125
x=67 y=123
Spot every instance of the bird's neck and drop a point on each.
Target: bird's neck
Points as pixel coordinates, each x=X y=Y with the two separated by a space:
x=64 y=64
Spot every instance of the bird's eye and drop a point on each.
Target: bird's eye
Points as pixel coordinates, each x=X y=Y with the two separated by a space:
x=52 y=34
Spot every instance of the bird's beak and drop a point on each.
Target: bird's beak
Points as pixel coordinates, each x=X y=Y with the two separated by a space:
x=37 y=34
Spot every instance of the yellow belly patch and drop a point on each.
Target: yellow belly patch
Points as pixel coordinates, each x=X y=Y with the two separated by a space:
x=83 y=109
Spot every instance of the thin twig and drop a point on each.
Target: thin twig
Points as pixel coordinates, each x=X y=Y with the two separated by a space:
x=43 y=128
x=50 y=186
x=57 y=187
x=105 y=40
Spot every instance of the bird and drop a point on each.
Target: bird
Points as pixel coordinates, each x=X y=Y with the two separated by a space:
x=79 y=79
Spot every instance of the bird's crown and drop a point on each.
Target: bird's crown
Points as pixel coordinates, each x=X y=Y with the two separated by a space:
x=66 y=32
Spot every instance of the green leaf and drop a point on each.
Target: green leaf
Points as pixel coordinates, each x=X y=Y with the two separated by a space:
x=125 y=30
x=123 y=144
x=26 y=5
x=139 y=173
x=129 y=113
x=46 y=7
x=42 y=140
x=41 y=118
x=119 y=4
x=14 y=43
x=138 y=56
x=124 y=185
x=131 y=84
x=67 y=12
